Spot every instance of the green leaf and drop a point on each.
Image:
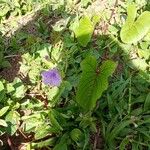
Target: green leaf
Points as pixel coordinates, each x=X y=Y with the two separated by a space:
x=2 y=92
x=84 y=31
x=48 y=142
x=147 y=103
x=113 y=134
x=12 y=120
x=16 y=88
x=93 y=81
x=3 y=110
x=76 y=134
x=133 y=31
x=3 y=123
x=58 y=93
x=138 y=64
x=62 y=145
x=44 y=131
x=1 y=56
x=123 y=144
x=54 y=121
x=5 y=64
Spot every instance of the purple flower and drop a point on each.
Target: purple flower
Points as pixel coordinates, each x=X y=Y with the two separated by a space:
x=51 y=77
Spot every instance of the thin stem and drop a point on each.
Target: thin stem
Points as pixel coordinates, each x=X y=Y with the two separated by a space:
x=129 y=101
x=9 y=56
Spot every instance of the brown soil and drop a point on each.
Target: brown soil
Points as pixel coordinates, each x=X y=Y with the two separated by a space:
x=15 y=142
x=97 y=139
x=10 y=73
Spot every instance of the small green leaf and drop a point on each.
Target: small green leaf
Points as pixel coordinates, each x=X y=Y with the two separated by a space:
x=48 y=142
x=76 y=134
x=54 y=121
x=93 y=81
x=123 y=144
x=2 y=93
x=3 y=110
x=44 y=131
x=133 y=31
x=12 y=120
x=3 y=123
x=84 y=31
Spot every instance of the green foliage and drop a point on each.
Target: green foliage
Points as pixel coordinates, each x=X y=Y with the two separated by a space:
x=84 y=31
x=12 y=118
x=2 y=121
x=93 y=81
x=147 y=103
x=76 y=135
x=70 y=116
x=2 y=91
x=133 y=31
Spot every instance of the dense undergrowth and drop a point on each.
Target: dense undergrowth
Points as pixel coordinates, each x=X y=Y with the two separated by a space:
x=75 y=74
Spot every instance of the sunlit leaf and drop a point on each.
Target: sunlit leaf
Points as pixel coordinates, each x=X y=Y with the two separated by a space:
x=3 y=123
x=3 y=110
x=12 y=119
x=84 y=31
x=133 y=31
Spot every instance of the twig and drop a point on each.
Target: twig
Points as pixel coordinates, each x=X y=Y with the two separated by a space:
x=22 y=133
x=113 y=11
x=10 y=143
x=9 y=56
x=96 y=139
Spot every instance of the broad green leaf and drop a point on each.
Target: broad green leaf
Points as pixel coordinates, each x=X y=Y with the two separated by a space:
x=147 y=103
x=93 y=81
x=133 y=31
x=3 y=110
x=84 y=31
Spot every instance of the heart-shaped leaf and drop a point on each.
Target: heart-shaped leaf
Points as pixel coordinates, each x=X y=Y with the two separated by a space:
x=133 y=31
x=93 y=81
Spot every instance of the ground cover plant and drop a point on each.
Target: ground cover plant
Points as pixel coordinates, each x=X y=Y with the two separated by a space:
x=75 y=75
